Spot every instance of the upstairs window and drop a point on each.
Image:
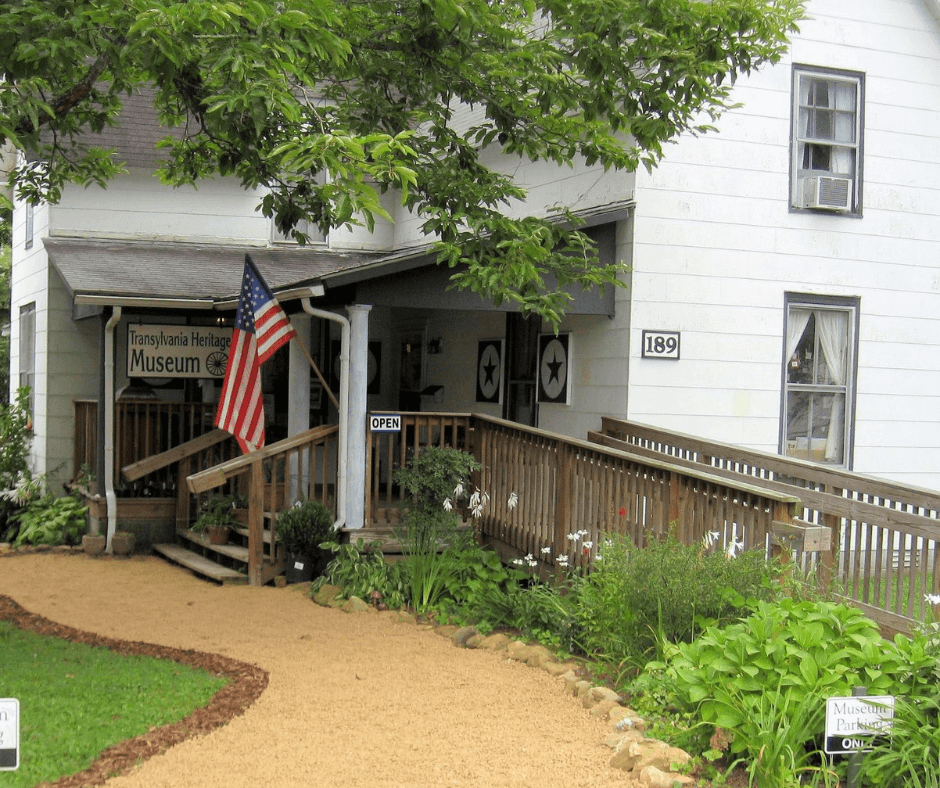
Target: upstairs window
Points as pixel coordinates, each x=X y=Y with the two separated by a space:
x=826 y=144
x=313 y=233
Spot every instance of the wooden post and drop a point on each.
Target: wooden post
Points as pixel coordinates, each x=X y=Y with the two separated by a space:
x=563 y=502
x=255 y=523
x=182 y=495
x=827 y=560
x=371 y=460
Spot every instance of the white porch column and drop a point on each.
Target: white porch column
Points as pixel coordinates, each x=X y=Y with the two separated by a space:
x=358 y=381
x=298 y=401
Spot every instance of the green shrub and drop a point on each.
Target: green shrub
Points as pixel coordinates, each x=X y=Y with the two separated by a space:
x=637 y=598
x=303 y=527
x=766 y=679
x=15 y=437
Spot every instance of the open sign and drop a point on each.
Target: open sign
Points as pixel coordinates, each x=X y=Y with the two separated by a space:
x=386 y=423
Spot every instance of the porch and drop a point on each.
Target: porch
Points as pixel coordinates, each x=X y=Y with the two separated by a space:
x=873 y=540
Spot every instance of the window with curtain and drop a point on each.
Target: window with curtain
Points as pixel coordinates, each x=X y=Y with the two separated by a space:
x=819 y=372
x=827 y=131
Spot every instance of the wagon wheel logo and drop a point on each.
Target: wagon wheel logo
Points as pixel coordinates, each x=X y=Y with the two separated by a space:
x=216 y=362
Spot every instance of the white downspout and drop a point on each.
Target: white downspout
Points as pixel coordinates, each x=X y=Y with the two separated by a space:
x=341 y=459
x=110 y=495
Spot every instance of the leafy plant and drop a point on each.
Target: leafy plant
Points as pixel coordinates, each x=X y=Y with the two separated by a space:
x=769 y=676
x=911 y=757
x=49 y=520
x=360 y=572
x=217 y=511
x=431 y=478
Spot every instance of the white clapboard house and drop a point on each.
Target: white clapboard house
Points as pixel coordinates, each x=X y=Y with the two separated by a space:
x=784 y=291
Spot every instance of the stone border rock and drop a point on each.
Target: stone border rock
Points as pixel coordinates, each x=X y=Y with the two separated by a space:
x=649 y=761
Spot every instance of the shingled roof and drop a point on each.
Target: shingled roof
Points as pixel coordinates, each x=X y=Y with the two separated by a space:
x=122 y=270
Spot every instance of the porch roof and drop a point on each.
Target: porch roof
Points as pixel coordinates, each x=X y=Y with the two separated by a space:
x=202 y=276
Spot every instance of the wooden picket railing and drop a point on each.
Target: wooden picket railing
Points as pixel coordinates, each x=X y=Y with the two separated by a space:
x=386 y=452
x=566 y=486
x=142 y=429
x=302 y=467
x=884 y=536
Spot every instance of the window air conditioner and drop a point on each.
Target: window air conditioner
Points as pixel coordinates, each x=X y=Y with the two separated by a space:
x=831 y=194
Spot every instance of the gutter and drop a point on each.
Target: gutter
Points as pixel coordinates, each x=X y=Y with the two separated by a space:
x=341 y=451
x=110 y=495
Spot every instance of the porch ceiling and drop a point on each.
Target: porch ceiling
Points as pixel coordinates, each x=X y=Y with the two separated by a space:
x=124 y=272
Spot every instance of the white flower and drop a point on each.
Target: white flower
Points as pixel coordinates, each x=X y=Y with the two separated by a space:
x=475 y=499
x=458 y=490
x=448 y=505
x=546 y=550
x=513 y=500
x=598 y=557
x=734 y=547
x=932 y=599
x=574 y=537
x=583 y=533
x=562 y=559
x=530 y=557
x=533 y=564
x=608 y=543
x=588 y=545
x=518 y=561
x=710 y=538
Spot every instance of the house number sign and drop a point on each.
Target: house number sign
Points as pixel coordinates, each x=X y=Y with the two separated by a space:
x=661 y=344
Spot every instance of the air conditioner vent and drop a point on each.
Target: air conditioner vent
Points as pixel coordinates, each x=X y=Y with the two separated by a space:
x=831 y=194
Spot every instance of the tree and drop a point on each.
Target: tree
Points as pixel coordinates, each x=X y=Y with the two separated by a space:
x=367 y=93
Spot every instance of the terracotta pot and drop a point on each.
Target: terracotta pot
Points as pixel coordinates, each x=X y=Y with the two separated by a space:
x=93 y=544
x=122 y=542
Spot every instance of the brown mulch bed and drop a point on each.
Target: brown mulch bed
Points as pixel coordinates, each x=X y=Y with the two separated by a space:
x=245 y=684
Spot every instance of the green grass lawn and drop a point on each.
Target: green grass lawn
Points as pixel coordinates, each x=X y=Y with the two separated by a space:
x=77 y=700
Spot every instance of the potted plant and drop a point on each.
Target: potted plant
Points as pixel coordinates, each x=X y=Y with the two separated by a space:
x=216 y=520
x=301 y=529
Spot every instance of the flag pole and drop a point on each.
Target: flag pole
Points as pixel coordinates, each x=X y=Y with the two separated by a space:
x=309 y=358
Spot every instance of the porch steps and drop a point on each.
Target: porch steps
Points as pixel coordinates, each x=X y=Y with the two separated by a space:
x=199 y=565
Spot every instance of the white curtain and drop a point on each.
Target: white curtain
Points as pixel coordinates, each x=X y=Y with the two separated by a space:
x=843 y=159
x=796 y=325
x=833 y=337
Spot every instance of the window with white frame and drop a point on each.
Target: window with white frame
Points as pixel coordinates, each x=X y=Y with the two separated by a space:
x=819 y=378
x=827 y=140
x=27 y=351
x=313 y=233
x=30 y=214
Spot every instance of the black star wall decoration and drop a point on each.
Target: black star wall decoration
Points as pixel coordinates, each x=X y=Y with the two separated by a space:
x=554 y=366
x=490 y=370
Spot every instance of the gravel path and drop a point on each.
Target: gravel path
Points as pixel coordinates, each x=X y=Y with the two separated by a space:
x=351 y=700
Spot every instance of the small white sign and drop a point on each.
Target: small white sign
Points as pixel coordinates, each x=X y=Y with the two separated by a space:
x=9 y=734
x=386 y=423
x=851 y=723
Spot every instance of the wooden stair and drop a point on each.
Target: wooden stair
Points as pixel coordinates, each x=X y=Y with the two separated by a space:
x=225 y=563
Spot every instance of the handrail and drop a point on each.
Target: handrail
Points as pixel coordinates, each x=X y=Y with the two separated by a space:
x=159 y=461
x=219 y=474
x=885 y=536
x=565 y=485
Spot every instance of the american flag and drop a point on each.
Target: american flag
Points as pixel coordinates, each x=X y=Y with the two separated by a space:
x=261 y=327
